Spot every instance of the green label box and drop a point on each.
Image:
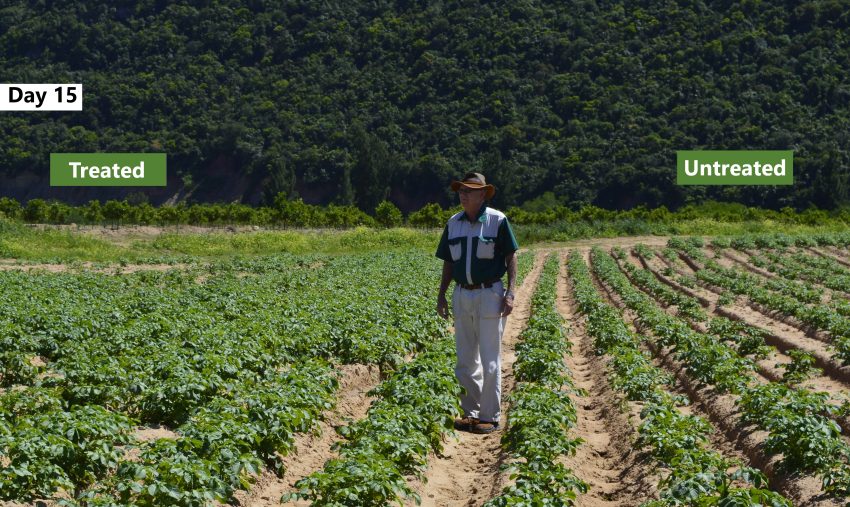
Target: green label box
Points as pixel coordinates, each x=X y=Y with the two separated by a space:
x=742 y=167
x=107 y=169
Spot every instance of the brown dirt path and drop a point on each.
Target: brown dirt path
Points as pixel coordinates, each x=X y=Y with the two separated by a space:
x=87 y=267
x=468 y=471
x=311 y=451
x=780 y=333
x=584 y=245
x=831 y=252
x=688 y=268
x=768 y=369
x=731 y=436
x=618 y=474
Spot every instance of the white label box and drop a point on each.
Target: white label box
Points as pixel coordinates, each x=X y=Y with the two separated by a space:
x=41 y=97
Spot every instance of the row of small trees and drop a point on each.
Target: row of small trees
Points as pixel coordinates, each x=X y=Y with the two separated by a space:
x=284 y=212
x=296 y=213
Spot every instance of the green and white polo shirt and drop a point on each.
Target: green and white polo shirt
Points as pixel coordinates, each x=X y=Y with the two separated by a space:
x=489 y=238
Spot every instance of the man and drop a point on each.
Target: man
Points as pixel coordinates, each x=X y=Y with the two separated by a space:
x=477 y=248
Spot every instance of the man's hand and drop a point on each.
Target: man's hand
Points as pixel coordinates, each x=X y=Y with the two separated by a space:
x=508 y=304
x=442 y=306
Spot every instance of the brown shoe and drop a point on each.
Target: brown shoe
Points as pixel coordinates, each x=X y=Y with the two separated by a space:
x=484 y=427
x=466 y=423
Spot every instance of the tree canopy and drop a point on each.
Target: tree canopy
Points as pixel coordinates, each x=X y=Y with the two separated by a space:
x=356 y=102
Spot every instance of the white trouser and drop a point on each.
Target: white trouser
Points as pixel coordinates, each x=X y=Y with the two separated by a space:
x=478 y=340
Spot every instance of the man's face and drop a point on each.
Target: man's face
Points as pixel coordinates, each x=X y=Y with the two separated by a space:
x=470 y=199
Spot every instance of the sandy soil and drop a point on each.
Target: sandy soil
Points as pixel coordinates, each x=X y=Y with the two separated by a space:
x=768 y=369
x=617 y=473
x=147 y=434
x=584 y=245
x=467 y=473
x=312 y=450
x=153 y=433
x=689 y=267
x=114 y=269
x=731 y=436
x=831 y=252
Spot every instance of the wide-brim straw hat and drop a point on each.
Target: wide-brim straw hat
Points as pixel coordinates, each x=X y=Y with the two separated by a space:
x=474 y=181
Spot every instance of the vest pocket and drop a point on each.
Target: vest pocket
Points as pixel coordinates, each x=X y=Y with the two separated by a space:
x=486 y=248
x=454 y=248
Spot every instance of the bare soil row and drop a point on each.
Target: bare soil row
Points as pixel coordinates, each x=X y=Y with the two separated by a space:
x=469 y=470
x=783 y=332
x=617 y=472
x=768 y=369
x=734 y=437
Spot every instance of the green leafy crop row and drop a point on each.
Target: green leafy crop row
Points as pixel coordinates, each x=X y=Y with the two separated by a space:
x=747 y=340
x=779 y=240
x=541 y=411
x=806 y=268
x=698 y=475
x=688 y=306
x=798 y=421
x=414 y=411
x=771 y=294
x=525 y=261
x=236 y=364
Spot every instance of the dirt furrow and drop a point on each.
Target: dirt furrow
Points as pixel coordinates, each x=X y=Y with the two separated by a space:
x=618 y=474
x=768 y=368
x=737 y=260
x=732 y=259
x=732 y=437
x=311 y=451
x=691 y=268
x=779 y=333
x=832 y=253
x=468 y=472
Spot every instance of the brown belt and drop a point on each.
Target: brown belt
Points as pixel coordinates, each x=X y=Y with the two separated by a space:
x=483 y=285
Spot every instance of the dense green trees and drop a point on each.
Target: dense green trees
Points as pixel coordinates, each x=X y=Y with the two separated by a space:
x=554 y=221
x=355 y=102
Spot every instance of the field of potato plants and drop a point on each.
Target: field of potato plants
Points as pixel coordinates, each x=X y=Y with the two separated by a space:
x=664 y=372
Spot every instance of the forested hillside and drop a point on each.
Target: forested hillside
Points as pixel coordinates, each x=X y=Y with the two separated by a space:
x=353 y=101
